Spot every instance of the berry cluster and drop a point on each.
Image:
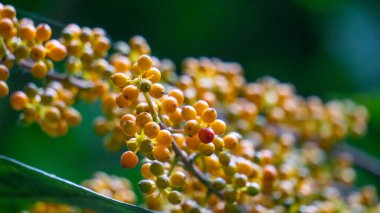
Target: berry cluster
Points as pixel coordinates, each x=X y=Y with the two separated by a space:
x=208 y=140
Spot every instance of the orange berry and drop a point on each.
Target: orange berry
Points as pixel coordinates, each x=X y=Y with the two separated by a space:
x=209 y=115
x=127 y=117
x=145 y=62
x=4 y=90
x=4 y=73
x=176 y=117
x=120 y=79
x=19 y=100
x=145 y=170
x=219 y=127
x=39 y=69
x=169 y=104
x=188 y=113
x=55 y=50
x=38 y=52
x=193 y=142
x=153 y=74
x=7 y=28
x=27 y=32
x=8 y=11
x=143 y=118
x=129 y=160
x=157 y=90
x=131 y=92
x=151 y=129
x=200 y=106
x=122 y=64
x=161 y=153
x=122 y=102
x=178 y=95
x=164 y=138
x=230 y=141
x=43 y=32
x=191 y=128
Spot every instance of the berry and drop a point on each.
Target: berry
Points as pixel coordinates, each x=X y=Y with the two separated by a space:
x=144 y=62
x=43 y=32
x=174 y=197
x=188 y=113
x=177 y=179
x=146 y=186
x=164 y=138
x=230 y=141
x=161 y=153
x=156 y=168
x=39 y=69
x=153 y=75
x=218 y=126
x=3 y=89
x=4 y=73
x=169 y=104
x=191 y=128
x=200 y=106
x=206 y=135
x=207 y=148
x=131 y=92
x=209 y=115
x=19 y=100
x=151 y=129
x=145 y=85
x=129 y=160
x=253 y=189
x=157 y=90
x=146 y=146
x=143 y=118
x=218 y=184
x=178 y=95
x=162 y=182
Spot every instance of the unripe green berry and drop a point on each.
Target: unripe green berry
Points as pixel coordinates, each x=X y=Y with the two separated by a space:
x=218 y=184
x=132 y=145
x=240 y=180
x=253 y=189
x=231 y=208
x=31 y=90
x=157 y=168
x=224 y=158
x=175 y=197
x=146 y=146
x=145 y=85
x=162 y=182
x=146 y=186
x=230 y=195
x=230 y=170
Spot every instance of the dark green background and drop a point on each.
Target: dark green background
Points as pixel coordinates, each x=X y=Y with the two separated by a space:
x=326 y=48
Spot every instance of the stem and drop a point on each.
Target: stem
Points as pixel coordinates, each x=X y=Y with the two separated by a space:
x=176 y=130
x=151 y=107
x=198 y=174
x=79 y=83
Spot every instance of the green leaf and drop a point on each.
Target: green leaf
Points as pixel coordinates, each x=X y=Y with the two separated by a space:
x=20 y=183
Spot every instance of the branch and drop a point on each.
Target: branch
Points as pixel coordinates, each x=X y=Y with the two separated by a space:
x=77 y=82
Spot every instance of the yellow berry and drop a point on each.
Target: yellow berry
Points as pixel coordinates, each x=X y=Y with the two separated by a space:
x=206 y=148
x=209 y=115
x=177 y=179
x=143 y=118
x=200 y=106
x=39 y=69
x=145 y=62
x=7 y=28
x=122 y=102
x=193 y=142
x=120 y=79
x=188 y=113
x=157 y=90
x=176 y=117
x=191 y=128
x=38 y=52
x=27 y=32
x=164 y=138
x=178 y=95
x=169 y=104
x=131 y=92
x=153 y=75
x=230 y=141
x=55 y=50
x=218 y=126
x=151 y=129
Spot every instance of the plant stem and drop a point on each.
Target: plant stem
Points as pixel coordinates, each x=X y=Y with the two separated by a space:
x=151 y=107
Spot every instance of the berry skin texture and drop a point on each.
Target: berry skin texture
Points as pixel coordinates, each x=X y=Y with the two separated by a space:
x=131 y=92
x=206 y=135
x=161 y=153
x=169 y=104
x=188 y=113
x=19 y=100
x=129 y=160
x=4 y=91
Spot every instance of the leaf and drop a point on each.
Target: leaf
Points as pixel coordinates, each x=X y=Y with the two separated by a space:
x=20 y=182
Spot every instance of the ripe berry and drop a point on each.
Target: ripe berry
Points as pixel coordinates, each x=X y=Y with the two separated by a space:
x=177 y=179
x=178 y=95
x=153 y=75
x=206 y=135
x=3 y=89
x=209 y=115
x=218 y=126
x=131 y=92
x=164 y=138
x=151 y=129
x=169 y=104
x=19 y=100
x=200 y=106
x=157 y=90
x=161 y=153
x=188 y=113
x=145 y=62
x=129 y=160
x=43 y=32
x=191 y=128
x=4 y=73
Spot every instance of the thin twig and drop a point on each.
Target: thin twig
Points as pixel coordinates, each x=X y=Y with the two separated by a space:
x=77 y=82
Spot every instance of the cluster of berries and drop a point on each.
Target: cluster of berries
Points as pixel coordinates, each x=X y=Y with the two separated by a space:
x=208 y=140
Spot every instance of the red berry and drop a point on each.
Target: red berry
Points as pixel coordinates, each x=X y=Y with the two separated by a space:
x=206 y=135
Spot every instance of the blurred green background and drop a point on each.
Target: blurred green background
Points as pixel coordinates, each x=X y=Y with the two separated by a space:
x=329 y=48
